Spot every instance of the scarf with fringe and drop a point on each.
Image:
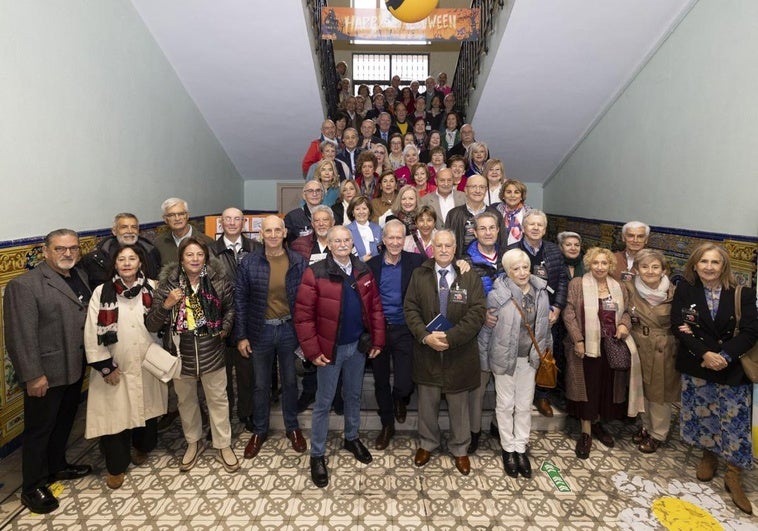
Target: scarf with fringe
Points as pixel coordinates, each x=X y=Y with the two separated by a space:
x=107 y=317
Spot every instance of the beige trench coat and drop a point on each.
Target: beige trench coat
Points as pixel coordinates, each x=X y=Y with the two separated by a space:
x=656 y=345
x=139 y=395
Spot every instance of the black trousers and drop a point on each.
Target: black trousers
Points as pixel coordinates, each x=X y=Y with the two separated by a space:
x=241 y=369
x=117 y=447
x=399 y=351
x=47 y=426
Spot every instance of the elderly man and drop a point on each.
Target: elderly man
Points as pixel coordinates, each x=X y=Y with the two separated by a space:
x=547 y=263
x=230 y=249
x=445 y=198
x=349 y=155
x=392 y=270
x=337 y=302
x=368 y=139
x=298 y=220
x=445 y=356
x=44 y=311
x=125 y=232
x=467 y=138
x=635 y=235
x=460 y=220
x=313 y=154
x=176 y=215
x=264 y=297
x=384 y=128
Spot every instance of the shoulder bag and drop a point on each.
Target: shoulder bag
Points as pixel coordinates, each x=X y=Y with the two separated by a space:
x=547 y=372
x=749 y=359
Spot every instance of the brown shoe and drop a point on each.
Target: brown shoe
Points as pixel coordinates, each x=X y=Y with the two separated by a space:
x=640 y=436
x=599 y=433
x=114 y=481
x=139 y=458
x=297 y=440
x=422 y=457
x=462 y=464
x=254 y=446
x=649 y=445
x=583 y=446
x=544 y=407
x=401 y=411
x=383 y=439
x=706 y=469
x=733 y=486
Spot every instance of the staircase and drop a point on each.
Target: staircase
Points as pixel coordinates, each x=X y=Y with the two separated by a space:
x=370 y=419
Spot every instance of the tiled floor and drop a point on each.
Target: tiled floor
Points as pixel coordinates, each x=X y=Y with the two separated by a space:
x=615 y=488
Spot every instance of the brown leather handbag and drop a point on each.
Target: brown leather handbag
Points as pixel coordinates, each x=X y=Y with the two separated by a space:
x=749 y=359
x=547 y=372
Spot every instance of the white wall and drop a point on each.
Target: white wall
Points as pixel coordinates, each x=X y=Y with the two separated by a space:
x=95 y=121
x=678 y=148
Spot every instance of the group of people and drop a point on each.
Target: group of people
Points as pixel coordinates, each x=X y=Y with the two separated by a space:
x=438 y=277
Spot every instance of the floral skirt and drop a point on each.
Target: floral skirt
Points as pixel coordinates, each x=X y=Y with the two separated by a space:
x=718 y=418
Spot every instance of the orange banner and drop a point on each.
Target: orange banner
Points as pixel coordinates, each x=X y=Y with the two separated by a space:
x=345 y=23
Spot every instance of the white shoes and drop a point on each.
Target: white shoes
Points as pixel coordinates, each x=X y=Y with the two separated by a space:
x=190 y=456
x=227 y=458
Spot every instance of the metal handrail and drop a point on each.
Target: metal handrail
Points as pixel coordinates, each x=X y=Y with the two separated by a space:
x=470 y=58
x=325 y=53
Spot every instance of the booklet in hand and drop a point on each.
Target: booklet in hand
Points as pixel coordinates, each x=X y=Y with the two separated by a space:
x=439 y=324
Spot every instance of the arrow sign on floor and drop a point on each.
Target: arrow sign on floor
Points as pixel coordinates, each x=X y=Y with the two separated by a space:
x=554 y=473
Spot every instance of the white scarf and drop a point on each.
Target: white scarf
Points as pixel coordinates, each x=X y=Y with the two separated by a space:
x=592 y=330
x=654 y=296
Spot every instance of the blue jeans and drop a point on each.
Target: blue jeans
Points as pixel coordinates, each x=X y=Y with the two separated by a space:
x=350 y=363
x=279 y=341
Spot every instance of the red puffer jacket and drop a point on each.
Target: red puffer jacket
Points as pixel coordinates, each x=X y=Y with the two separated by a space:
x=318 y=309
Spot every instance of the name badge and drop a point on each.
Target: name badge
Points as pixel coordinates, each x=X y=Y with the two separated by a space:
x=610 y=305
x=634 y=316
x=305 y=232
x=540 y=271
x=458 y=296
x=316 y=257
x=470 y=226
x=690 y=315
x=627 y=275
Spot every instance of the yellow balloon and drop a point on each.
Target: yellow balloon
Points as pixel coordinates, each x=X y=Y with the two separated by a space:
x=411 y=10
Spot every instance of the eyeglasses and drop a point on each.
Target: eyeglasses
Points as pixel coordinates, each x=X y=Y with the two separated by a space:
x=63 y=250
x=314 y=191
x=175 y=215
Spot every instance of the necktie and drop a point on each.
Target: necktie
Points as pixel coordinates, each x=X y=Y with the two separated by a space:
x=444 y=288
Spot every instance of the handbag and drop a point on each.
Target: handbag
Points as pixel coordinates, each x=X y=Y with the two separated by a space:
x=547 y=372
x=749 y=359
x=364 y=343
x=161 y=363
x=617 y=352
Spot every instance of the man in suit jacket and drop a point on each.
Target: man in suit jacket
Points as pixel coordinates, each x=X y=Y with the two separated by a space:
x=392 y=270
x=444 y=199
x=45 y=310
x=176 y=215
x=230 y=249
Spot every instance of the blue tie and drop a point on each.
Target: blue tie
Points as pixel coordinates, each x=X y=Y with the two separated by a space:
x=444 y=288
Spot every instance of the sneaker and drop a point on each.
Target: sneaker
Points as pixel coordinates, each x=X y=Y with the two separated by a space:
x=190 y=456
x=227 y=458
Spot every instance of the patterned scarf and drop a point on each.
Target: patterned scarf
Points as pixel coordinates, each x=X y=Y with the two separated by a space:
x=107 y=317
x=513 y=223
x=198 y=312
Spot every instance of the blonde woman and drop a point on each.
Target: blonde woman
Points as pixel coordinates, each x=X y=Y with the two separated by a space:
x=326 y=174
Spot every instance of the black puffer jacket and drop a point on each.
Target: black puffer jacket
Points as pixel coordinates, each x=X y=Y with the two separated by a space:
x=200 y=354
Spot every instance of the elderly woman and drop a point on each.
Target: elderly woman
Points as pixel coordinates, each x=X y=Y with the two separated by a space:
x=348 y=190
x=421 y=240
x=421 y=173
x=380 y=152
x=513 y=207
x=596 y=308
x=395 y=156
x=326 y=174
x=649 y=296
x=450 y=130
x=477 y=155
x=404 y=208
x=437 y=159
x=367 y=235
x=386 y=196
x=520 y=302
x=366 y=174
x=194 y=305
x=571 y=248
x=125 y=400
x=716 y=395
x=494 y=172
x=329 y=151
x=404 y=175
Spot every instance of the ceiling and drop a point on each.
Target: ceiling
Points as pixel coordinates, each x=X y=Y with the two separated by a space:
x=558 y=66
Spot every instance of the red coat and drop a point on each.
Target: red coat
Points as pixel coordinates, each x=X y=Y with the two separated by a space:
x=318 y=308
x=312 y=156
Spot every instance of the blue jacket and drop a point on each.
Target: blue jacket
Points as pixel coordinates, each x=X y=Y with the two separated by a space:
x=358 y=241
x=482 y=267
x=408 y=262
x=557 y=272
x=251 y=291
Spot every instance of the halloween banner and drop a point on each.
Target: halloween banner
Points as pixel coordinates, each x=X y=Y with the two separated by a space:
x=345 y=23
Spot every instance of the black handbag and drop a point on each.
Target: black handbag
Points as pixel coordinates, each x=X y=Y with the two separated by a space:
x=617 y=352
x=364 y=343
